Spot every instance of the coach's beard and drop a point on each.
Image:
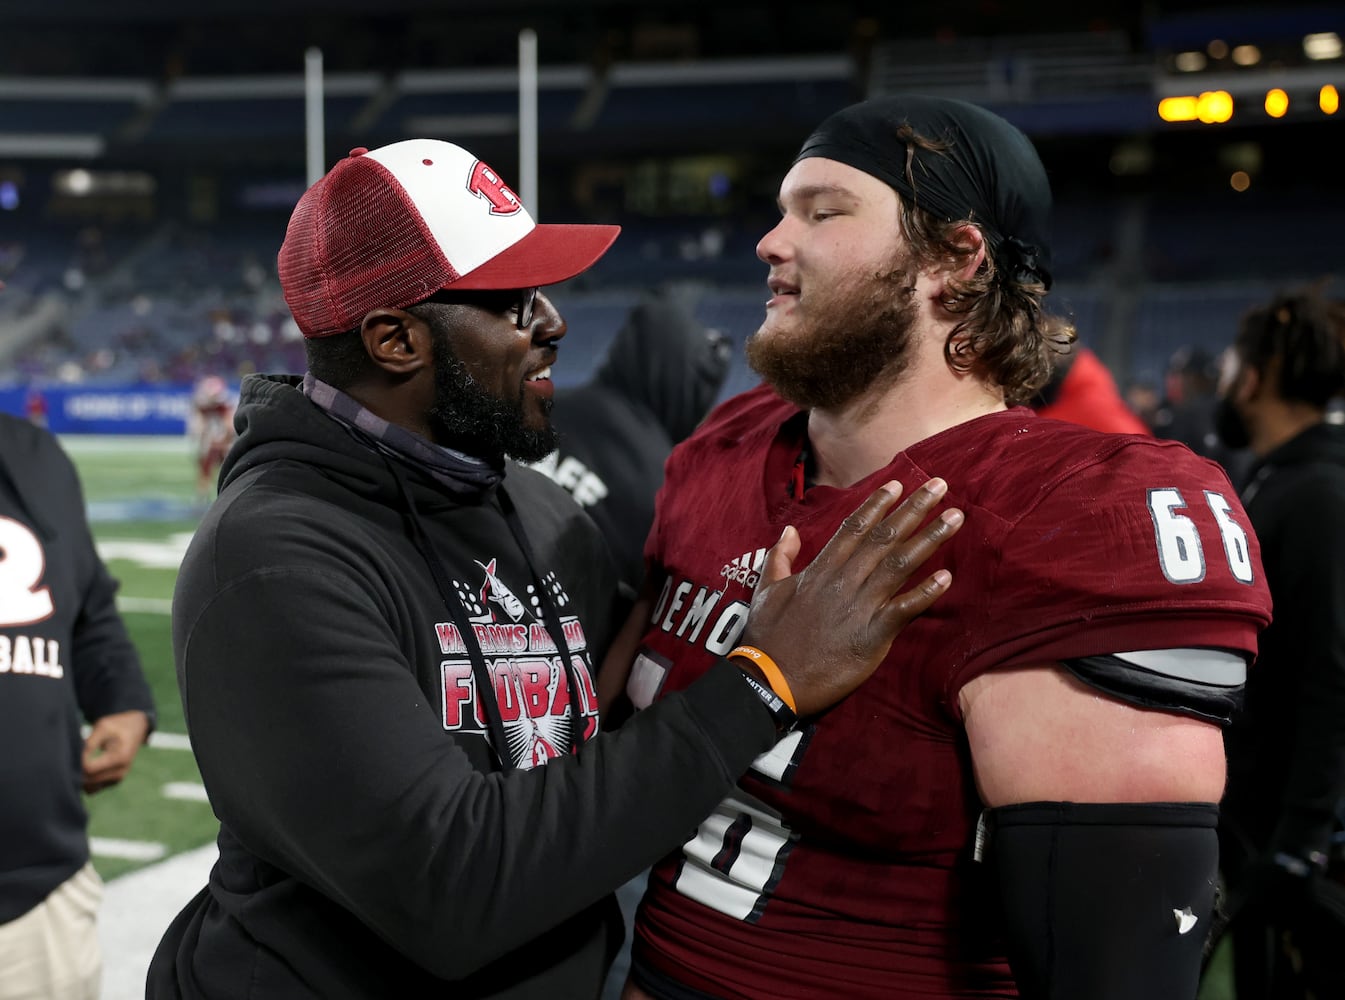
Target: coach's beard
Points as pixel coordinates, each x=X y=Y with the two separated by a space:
x=473 y=420
x=859 y=339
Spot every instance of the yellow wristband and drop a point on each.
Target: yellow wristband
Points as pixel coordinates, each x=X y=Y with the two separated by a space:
x=774 y=677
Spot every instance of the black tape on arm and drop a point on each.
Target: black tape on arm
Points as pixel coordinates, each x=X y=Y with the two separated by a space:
x=1105 y=901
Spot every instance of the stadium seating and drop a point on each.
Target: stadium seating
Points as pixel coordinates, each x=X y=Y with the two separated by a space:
x=171 y=295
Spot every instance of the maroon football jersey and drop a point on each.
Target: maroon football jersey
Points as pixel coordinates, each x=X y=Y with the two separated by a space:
x=842 y=865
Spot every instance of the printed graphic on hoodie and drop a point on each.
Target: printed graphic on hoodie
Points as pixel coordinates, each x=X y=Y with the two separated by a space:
x=24 y=600
x=525 y=667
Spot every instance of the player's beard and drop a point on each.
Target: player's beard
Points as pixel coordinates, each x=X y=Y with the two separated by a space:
x=857 y=339
x=470 y=419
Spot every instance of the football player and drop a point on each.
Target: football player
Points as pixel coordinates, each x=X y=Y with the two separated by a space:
x=1022 y=800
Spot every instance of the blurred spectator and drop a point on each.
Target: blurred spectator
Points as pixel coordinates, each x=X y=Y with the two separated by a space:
x=660 y=376
x=35 y=407
x=1143 y=398
x=1187 y=412
x=64 y=655
x=1286 y=751
x=1082 y=391
x=210 y=426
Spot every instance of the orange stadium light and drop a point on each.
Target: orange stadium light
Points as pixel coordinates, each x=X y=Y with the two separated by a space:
x=1328 y=100
x=1177 y=109
x=1214 y=107
x=1277 y=103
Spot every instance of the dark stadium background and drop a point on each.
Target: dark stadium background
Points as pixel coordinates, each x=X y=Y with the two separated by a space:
x=150 y=153
x=675 y=119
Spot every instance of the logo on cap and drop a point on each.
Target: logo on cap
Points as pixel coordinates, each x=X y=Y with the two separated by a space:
x=485 y=183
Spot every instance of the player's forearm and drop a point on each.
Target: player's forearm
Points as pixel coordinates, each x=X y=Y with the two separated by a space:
x=1104 y=901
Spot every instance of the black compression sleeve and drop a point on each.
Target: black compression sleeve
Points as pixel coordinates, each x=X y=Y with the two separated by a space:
x=1105 y=901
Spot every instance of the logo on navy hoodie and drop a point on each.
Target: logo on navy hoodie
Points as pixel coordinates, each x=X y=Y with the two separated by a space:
x=25 y=601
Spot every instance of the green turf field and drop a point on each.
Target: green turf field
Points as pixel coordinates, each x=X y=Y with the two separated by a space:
x=131 y=485
x=140 y=496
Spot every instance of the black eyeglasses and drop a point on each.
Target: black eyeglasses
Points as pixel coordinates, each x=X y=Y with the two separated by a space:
x=522 y=302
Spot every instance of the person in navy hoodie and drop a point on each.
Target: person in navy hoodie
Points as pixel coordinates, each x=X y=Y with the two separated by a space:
x=65 y=660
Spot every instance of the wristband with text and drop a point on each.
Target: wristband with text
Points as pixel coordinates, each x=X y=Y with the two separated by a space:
x=785 y=719
x=774 y=677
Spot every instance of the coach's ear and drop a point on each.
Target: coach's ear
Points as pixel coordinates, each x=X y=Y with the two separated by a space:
x=396 y=341
x=399 y=378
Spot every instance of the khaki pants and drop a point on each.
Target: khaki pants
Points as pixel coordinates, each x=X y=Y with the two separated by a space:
x=51 y=952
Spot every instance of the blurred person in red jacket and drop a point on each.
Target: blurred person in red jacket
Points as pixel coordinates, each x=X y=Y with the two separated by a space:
x=1083 y=391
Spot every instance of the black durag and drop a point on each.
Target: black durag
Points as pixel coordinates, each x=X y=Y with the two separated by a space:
x=989 y=174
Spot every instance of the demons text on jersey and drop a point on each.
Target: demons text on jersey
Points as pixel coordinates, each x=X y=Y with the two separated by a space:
x=701 y=615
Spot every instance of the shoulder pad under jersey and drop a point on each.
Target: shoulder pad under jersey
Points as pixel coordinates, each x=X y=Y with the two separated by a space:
x=1204 y=683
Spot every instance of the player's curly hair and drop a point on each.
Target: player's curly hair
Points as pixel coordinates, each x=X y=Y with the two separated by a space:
x=1005 y=336
x=1298 y=341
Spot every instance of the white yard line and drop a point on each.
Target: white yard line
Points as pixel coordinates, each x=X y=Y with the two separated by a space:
x=137 y=909
x=139 y=906
x=116 y=444
x=164 y=553
x=186 y=791
x=127 y=850
x=169 y=741
x=149 y=605
x=158 y=741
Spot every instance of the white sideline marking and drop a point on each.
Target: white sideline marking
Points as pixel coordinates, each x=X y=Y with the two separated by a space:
x=159 y=741
x=170 y=741
x=117 y=444
x=148 y=605
x=166 y=554
x=129 y=850
x=137 y=907
x=188 y=791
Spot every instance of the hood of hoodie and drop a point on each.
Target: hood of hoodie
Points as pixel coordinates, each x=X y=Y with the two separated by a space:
x=277 y=422
x=667 y=361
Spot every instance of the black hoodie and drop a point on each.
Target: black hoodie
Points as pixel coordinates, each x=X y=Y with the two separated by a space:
x=1287 y=751
x=371 y=844
x=658 y=380
x=64 y=653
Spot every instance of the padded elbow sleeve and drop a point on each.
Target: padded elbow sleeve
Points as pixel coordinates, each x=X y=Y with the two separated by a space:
x=1105 y=901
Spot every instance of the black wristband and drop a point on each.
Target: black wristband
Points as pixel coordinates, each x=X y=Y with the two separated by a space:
x=785 y=719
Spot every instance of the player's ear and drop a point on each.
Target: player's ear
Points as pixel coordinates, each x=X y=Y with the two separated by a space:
x=396 y=340
x=967 y=238
x=970 y=237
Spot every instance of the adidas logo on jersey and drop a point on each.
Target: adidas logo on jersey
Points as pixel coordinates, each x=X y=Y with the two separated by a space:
x=746 y=569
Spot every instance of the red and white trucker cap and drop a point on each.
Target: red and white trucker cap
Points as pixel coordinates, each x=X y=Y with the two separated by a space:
x=392 y=226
